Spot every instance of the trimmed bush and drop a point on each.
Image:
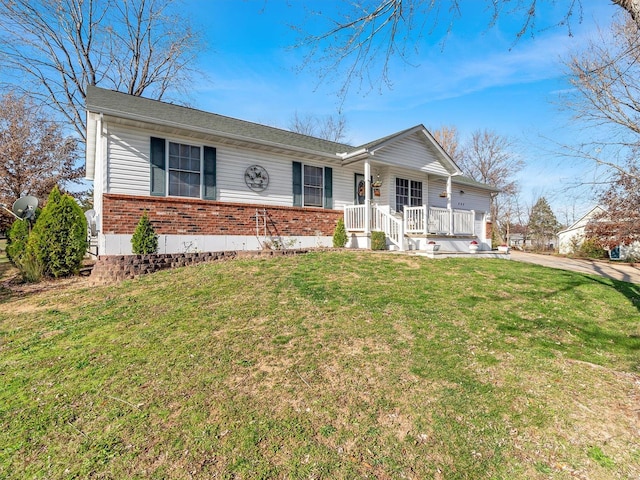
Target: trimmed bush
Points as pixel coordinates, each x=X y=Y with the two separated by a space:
x=378 y=241
x=144 y=240
x=58 y=241
x=340 y=234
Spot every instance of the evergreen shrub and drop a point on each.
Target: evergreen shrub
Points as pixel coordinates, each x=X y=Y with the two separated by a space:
x=145 y=239
x=378 y=241
x=340 y=234
x=58 y=241
x=17 y=237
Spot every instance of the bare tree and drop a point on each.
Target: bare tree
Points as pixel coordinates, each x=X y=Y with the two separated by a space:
x=449 y=139
x=606 y=96
x=490 y=158
x=55 y=48
x=330 y=127
x=361 y=44
x=34 y=154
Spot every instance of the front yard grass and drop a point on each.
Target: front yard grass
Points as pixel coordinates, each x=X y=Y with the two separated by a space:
x=326 y=365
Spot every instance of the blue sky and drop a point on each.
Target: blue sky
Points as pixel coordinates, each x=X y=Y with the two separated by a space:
x=478 y=79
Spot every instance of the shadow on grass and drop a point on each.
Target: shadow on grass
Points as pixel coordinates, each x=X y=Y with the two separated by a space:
x=629 y=290
x=585 y=338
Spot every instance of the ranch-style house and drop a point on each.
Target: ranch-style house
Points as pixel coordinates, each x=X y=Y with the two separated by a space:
x=214 y=183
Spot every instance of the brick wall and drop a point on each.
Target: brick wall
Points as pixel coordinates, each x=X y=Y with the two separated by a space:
x=179 y=216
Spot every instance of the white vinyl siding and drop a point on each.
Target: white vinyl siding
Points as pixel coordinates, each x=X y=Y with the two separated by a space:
x=344 y=185
x=413 y=152
x=232 y=164
x=471 y=199
x=128 y=171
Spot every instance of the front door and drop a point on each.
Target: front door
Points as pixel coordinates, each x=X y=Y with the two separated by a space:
x=359 y=189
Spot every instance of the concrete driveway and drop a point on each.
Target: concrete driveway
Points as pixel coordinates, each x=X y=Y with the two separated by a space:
x=616 y=271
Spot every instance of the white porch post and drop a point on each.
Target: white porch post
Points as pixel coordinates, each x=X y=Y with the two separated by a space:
x=473 y=222
x=426 y=207
x=449 y=205
x=367 y=196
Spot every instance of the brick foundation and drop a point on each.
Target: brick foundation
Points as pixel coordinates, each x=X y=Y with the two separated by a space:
x=113 y=268
x=179 y=216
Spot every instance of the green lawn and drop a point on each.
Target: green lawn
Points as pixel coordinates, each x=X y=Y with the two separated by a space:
x=326 y=365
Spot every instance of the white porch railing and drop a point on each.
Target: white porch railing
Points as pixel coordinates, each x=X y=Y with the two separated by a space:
x=463 y=222
x=380 y=219
x=354 y=218
x=383 y=221
x=439 y=221
x=417 y=220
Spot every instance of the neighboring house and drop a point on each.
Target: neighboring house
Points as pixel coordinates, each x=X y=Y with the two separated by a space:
x=214 y=183
x=517 y=240
x=572 y=237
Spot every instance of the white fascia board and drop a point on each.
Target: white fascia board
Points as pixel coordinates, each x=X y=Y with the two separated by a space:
x=90 y=151
x=453 y=167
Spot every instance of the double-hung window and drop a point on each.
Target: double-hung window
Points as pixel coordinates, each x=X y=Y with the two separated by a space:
x=408 y=192
x=313 y=186
x=184 y=170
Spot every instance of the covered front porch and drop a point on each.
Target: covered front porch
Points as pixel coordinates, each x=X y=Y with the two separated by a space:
x=410 y=189
x=416 y=228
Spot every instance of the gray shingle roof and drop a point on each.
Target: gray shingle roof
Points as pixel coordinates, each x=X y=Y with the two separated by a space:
x=100 y=100
x=462 y=180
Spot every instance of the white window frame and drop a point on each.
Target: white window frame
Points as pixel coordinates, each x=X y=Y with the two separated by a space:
x=304 y=186
x=169 y=169
x=411 y=199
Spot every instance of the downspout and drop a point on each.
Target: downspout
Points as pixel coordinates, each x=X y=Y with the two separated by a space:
x=367 y=196
x=99 y=178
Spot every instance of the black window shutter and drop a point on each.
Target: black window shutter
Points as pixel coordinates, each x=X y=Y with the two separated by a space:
x=328 y=187
x=158 y=166
x=209 y=186
x=297 y=184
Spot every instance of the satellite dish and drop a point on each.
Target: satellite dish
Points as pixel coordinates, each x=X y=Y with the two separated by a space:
x=90 y=215
x=25 y=208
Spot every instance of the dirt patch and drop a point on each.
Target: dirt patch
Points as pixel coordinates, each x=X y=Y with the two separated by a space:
x=14 y=288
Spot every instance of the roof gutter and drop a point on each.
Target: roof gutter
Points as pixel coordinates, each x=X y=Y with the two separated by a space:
x=353 y=157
